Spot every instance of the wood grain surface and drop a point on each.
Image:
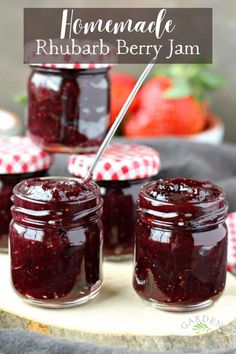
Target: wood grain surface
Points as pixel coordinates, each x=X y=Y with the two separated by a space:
x=119 y=317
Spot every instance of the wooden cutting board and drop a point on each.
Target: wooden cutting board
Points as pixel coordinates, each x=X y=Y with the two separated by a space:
x=119 y=317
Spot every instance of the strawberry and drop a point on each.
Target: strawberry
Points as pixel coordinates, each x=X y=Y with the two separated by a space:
x=121 y=86
x=159 y=115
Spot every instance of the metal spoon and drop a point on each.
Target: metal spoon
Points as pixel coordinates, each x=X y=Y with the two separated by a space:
x=119 y=118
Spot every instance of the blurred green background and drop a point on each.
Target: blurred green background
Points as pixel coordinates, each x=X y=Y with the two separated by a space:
x=13 y=73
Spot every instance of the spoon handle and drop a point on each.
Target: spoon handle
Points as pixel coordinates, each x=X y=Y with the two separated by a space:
x=119 y=118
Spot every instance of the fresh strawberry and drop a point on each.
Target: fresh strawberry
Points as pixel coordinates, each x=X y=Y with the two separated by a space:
x=159 y=115
x=121 y=86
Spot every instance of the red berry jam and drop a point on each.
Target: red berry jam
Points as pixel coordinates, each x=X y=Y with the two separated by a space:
x=68 y=109
x=56 y=241
x=7 y=183
x=181 y=244
x=119 y=216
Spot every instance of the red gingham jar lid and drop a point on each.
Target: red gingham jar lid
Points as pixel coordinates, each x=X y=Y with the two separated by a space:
x=119 y=162
x=76 y=66
x=21 y=155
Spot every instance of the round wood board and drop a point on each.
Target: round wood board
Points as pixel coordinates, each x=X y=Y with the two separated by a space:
x=119 y=317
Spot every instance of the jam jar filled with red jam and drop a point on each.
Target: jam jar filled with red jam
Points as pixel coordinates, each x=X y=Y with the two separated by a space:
x=181 y=244
x=56 y=241
x=69 y=107
x=20 y=159
x=120 y=173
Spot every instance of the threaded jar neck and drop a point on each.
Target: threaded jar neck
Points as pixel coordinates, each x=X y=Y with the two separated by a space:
x=56 y=201
x=182 y=203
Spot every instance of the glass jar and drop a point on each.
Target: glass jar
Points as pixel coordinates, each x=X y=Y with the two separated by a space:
x=20 y=159
x=7 y=183
x=119 y=217
x=181 y=244
x=121 y=171
x=56 y=241
x=68 y=109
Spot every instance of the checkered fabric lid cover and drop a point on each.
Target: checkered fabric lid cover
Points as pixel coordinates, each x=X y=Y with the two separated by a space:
x=21 y=155
x=119 y=162
x=75 y=66
x=231 y=223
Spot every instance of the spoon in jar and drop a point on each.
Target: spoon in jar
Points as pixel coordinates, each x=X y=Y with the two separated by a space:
x=118 y=120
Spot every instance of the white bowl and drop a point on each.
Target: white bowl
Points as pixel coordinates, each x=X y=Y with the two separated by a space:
x=10 y=124
x=213 y=134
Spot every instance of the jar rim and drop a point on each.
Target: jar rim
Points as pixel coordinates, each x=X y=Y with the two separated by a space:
x=181 y=212
x=70 y=70
x=95 y=192
x=220 y=196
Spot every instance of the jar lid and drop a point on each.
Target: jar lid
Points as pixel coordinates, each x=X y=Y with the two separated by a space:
x=21 y=155
x=75 y=66
x=119 y=162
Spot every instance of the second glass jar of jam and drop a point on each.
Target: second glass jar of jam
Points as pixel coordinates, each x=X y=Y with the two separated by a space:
x=69 y=107
x=20 y=159
x=120 y=173
x=56 y=241
x=181 y=244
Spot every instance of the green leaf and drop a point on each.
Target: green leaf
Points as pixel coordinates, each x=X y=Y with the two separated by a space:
x=190 y=79
x=180 y=89
x=201 y=327
x=211 y=81
x=21 y=98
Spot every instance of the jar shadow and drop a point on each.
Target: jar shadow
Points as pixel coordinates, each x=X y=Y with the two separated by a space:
x=107 y=293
